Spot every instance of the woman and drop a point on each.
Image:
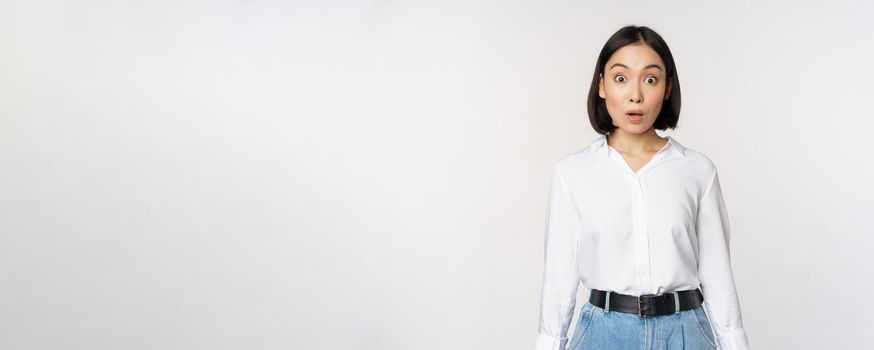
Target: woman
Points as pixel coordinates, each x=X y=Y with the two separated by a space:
x=638 y=219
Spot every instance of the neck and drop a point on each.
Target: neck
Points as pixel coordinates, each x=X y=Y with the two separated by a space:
x=647 y=141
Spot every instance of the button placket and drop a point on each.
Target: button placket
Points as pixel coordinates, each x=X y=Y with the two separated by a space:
x=640 y=239
x=641 y=246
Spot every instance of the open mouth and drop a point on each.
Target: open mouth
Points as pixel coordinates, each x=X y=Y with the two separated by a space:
x=634 y=116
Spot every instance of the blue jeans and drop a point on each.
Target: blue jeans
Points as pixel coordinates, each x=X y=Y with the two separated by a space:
x=602 y=330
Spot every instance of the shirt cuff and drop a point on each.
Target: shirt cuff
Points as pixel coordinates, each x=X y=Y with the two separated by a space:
x=546 y=342
x=735 y=339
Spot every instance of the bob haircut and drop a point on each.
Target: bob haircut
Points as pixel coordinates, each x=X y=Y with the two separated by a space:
x=597 y=106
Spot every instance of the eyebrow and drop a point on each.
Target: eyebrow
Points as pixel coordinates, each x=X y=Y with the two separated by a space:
x=626 y=67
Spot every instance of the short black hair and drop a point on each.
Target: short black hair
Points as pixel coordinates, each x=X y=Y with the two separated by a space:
x=597 y=106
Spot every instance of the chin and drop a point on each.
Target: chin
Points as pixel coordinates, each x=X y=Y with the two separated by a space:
x=635 y=129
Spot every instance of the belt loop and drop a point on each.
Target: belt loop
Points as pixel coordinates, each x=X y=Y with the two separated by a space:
x=607 y=303
x=676 y=302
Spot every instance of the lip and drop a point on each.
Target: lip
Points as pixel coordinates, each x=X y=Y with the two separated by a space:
x=633 y=119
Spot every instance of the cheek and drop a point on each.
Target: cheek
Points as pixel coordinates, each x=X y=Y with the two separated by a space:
x=656 y=91
x=615 y=94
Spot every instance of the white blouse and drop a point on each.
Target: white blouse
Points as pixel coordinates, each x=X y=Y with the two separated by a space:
x=663 y=228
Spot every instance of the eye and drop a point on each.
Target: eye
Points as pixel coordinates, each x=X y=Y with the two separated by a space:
x=651 y=79
x=617 y=79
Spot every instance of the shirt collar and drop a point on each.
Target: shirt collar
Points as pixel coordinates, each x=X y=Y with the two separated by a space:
x=599 y=146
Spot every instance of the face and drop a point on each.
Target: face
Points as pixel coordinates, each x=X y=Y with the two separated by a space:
x=634 y=85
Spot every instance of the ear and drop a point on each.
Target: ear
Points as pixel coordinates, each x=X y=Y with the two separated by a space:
x=601 y=86
x=668 y=90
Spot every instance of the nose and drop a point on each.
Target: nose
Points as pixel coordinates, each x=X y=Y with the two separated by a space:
x=636 y=96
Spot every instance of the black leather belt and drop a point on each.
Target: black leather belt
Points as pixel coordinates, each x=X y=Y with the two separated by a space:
x=647 y=305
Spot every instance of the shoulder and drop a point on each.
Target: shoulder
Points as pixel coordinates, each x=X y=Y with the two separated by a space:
x=574 y=164
x=700 y=167
x=581 y=155
x=700 y=159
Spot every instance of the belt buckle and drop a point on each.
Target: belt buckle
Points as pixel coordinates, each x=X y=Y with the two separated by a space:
x=641 y=302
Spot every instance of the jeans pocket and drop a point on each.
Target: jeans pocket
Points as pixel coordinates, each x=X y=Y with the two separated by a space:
x=703 y=325
x=582 y=325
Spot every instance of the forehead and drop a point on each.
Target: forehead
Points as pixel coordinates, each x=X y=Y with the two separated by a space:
x=635 y=56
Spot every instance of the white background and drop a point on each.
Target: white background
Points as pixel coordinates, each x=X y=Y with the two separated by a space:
x=373 y=174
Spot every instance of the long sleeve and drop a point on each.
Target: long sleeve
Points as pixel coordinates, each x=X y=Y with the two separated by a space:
x=560 y=278
x=714 y=269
